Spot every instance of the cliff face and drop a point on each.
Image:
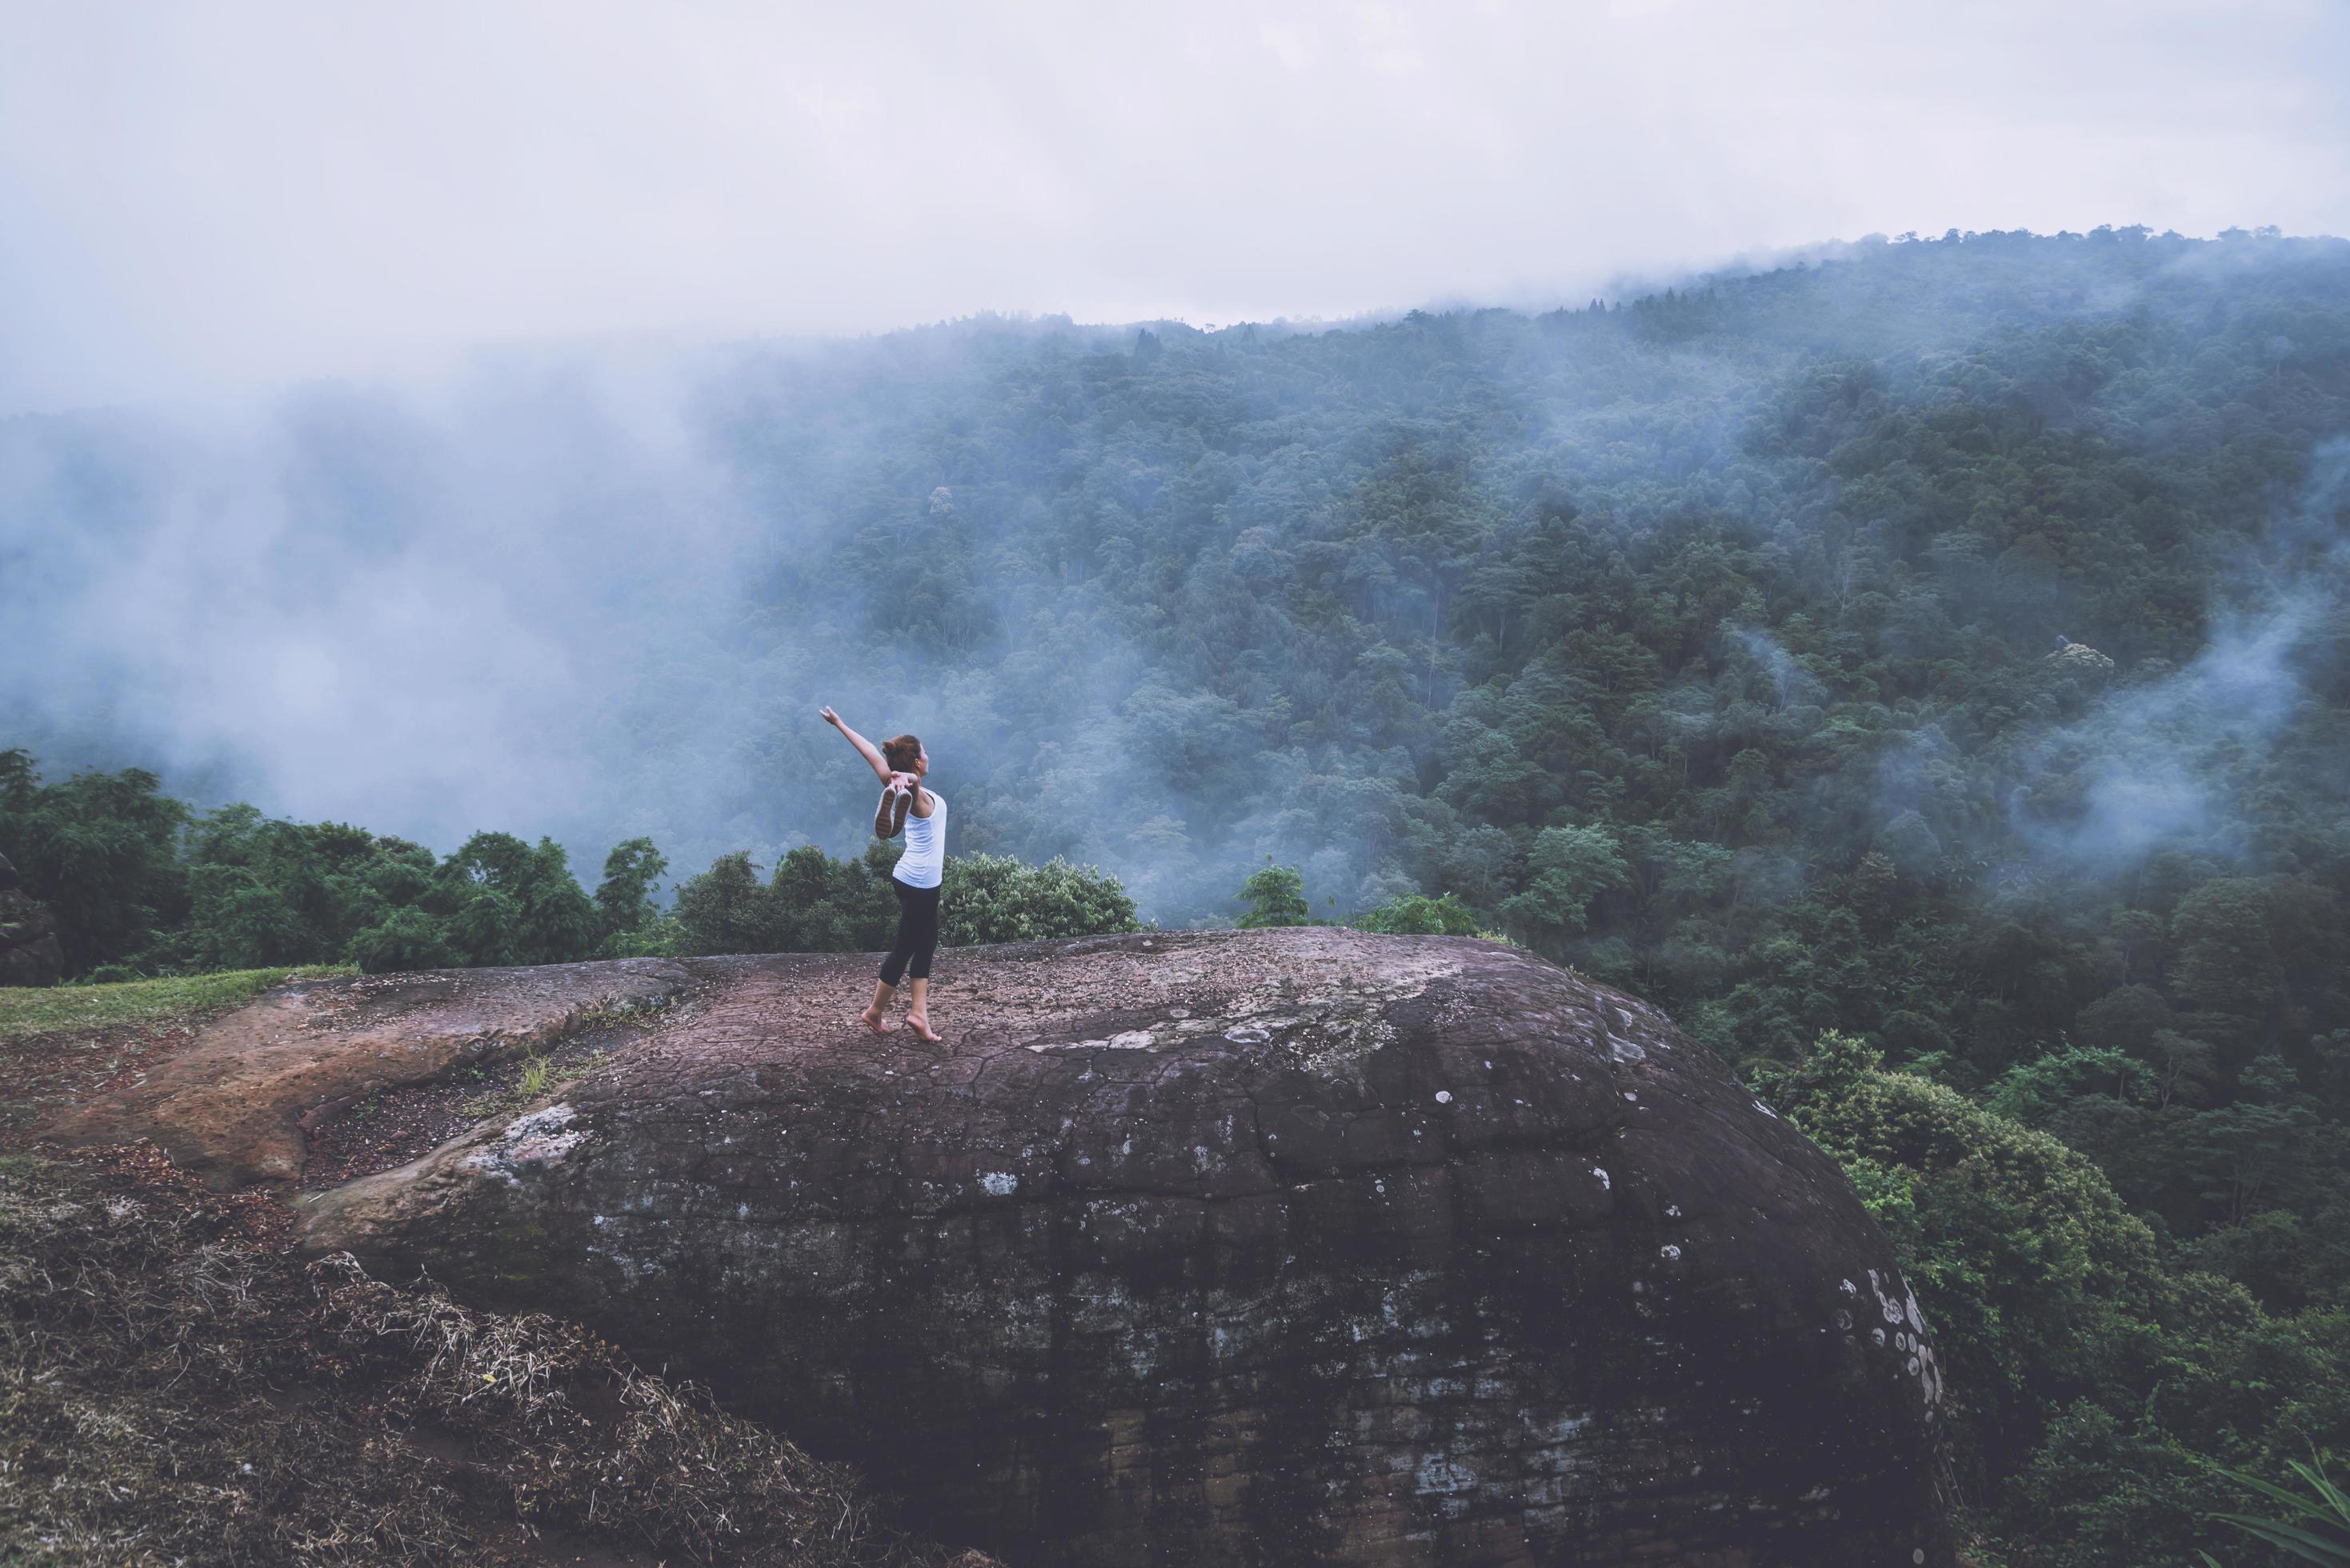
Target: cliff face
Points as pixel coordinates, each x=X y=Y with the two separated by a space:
x=1248 y=1247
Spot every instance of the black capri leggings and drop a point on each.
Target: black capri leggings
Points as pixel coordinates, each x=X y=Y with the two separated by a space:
x=917 y=933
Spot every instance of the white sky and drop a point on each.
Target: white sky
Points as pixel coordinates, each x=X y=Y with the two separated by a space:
x=205 y=195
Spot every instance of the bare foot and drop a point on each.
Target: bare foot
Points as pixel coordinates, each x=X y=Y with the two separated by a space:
x=876 y=1022
x=921 y=1026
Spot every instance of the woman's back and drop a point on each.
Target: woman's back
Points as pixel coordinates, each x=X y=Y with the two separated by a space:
x=925 y=860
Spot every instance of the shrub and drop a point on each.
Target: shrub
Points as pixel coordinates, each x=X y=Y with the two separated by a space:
x=1414 y=915
x=817 y=904
x=997 y=898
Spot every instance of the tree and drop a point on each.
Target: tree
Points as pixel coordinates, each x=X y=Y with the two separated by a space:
x=101 y=851
x=1275 y=896
x=509 y=902
x=726 y=909
x=1570 y=866
x=823 y=905
x=2226 y=967
x=624 y=897
x=559 y=919
x=817 y=904
x=2033 y=1092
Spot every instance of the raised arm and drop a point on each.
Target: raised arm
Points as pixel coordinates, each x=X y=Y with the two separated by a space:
x=864 y=748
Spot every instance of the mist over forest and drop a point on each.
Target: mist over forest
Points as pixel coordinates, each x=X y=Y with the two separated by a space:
x=1379 y=600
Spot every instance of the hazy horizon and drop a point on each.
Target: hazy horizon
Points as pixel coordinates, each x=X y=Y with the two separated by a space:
x=197 y=206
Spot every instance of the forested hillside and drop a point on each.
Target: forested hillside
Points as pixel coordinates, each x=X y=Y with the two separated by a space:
x=1945 y=645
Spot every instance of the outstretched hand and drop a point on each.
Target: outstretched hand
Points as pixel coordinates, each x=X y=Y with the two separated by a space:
x=828 y=716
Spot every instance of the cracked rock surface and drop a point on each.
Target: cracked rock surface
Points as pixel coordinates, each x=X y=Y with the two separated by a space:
x=1267 y=1246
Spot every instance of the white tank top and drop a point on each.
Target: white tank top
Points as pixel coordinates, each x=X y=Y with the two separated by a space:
x=925 y=860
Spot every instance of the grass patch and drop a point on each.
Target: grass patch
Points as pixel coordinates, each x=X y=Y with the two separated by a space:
x=66 y=1009
x=538 y=1076
x=177 y=1385
x=583 y=1047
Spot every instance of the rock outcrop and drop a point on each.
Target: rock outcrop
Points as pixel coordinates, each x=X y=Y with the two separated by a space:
x=237 y=1107
x=2081 y=661
x=29 y=953
x=1272 y=1247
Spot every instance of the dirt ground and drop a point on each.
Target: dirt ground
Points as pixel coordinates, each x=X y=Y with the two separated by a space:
x=43 y=1074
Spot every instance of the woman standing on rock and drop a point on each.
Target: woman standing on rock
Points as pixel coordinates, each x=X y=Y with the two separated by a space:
x=901 y=763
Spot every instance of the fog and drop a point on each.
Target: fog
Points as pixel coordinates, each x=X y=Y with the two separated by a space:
x=576 y=594
x=442 y=419
x=200 y=200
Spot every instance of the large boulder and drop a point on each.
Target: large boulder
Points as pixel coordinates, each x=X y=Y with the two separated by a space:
x=1268 y=1247
x=29 y=953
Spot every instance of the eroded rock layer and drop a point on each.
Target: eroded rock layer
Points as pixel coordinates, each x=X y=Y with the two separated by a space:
x=1267 y=1246
x=237 y=1105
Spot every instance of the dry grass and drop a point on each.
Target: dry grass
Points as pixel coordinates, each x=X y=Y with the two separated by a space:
x=177 y=1387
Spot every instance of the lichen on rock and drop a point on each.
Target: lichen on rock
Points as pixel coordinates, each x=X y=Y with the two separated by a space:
x=532 y=1139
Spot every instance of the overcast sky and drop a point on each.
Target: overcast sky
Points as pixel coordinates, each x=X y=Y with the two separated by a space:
x=201 y=196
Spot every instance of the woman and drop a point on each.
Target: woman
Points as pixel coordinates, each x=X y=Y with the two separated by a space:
x=900 y=765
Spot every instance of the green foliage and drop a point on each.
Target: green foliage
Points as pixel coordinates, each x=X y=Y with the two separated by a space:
x=814 y=903
x=59 y=1009
x=2018 y=1245
x=657 y=938
x=139 y=884
x=257 y=891
x=1276 y=897
x=727 y=910
x=995 y=898
x=2085 y=1372
x=1570 y=866
x=504 y=902
x=624 y=898
x=2315 y=1525
x=2035 y=1092
x=100 y=850
x=407 y=939
x=1414 y=915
